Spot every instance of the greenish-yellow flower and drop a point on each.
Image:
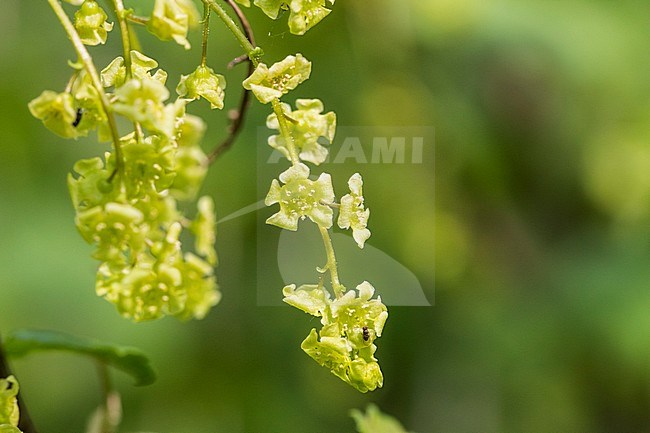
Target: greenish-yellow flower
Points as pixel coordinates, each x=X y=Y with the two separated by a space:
x=204 y=229
x=310 y=298
x=301 y=197
x=9 y=413
x=306 y=127
x=171 y=19
x=271 y=83
x=90 y=22
x=351 y=323
x=201 y=288
x=58 y=113
x=142 y=101
x=303 y=14
x=203 y=82
x=352 y=213
x=115 y=73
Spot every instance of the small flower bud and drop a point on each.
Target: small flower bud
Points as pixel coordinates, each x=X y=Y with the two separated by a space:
x=90 y=22
x=203 y=82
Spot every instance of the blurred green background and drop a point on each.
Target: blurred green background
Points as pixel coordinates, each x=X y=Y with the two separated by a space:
x=539 y=228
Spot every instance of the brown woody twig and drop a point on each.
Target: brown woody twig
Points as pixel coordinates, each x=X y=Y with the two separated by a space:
x=236 y=116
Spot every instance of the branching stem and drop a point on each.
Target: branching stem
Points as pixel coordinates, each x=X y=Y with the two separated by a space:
x=89 y=66
x=248 y=30
x=237 y=117
x=245 y=39
x=126 y=38
x=284 y=131
x=254 y=53
x=237 y=60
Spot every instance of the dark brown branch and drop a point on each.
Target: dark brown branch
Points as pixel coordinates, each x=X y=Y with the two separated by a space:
x=237 y=60
x=244 y=22
x=236 y=116
x=25 y=423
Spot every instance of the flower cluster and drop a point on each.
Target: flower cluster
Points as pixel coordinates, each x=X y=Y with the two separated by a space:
x=351 y=323
x=9 y=414
x=127 y=202
x=135 y=225
x=352 y=320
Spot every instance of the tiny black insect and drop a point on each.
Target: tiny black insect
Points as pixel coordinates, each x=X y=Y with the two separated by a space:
x=366 y=334
x=77 y=119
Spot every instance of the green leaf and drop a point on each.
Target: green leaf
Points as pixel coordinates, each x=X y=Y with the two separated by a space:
x=128 y=359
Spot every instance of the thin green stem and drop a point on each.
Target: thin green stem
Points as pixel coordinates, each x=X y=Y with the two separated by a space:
x=73 y=78
x=248 y=30
x=338 y=288
x=124 y=31
x=254 y=53
x=139 y=133
x=89 y=66
x=206 y=33
x=285 y=131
